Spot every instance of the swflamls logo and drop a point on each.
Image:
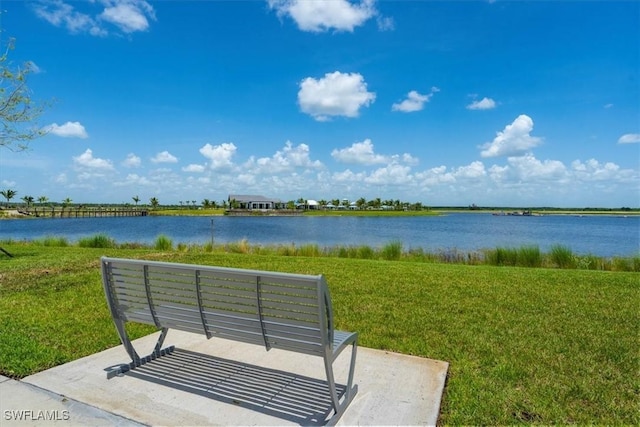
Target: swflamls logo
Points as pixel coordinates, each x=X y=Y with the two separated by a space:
x=31 y=415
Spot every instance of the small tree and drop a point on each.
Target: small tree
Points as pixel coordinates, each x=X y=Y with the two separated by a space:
x=154 y=202
x=18 y=113
x=136 y=199
x=8 y=194
x=28 y=200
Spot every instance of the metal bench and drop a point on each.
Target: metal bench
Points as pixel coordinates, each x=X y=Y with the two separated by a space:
x=275 y=310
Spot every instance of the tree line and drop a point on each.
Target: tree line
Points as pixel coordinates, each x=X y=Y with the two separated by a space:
x=29 y=202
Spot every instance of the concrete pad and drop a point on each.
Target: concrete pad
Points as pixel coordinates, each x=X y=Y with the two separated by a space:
x=23 y=404
x=222 y=382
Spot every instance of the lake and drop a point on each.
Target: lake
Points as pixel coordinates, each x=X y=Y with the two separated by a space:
x=597 y=235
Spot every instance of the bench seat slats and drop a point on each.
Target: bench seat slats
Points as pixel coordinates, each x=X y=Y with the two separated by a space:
x=277 y=310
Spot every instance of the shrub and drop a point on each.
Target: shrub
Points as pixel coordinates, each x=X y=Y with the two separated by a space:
x=366 y=252
x=97 y=241
x=163 y=243
x=53 y=241
x=392 y=250
x=562 y=256
x=502 y=256
x=529 y=256
x=312 y=250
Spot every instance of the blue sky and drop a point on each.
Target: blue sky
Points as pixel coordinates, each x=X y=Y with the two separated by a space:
x=497 y=103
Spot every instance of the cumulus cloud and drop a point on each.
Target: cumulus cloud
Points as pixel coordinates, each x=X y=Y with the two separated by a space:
x=629 y=138
x=484 y=104
x=219 y=155
x=194 y=168
x=414 y=101
x=132 y=161
x=164 y=157
x=528 y=168
x=86 y=160
x=129 y=15
x=68 y=130
x=133 y=179
x=593 y=170
x=514 y=140
x=323 y=15
x=288 y=159
x=474 y=170
x=126 y=15
x=360 y=153
x=336 y=94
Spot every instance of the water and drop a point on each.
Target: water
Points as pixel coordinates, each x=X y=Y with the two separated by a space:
x=597 y=235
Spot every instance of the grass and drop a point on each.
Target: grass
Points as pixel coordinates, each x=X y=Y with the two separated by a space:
x=525 y=345
x=525 y=256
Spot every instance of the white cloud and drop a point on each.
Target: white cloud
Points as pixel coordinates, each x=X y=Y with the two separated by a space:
x=61 y=14
x=359 y=153
x=514 y=140
x=527 y=168
x=287 y=159
x=484 y=104
x=68 y=130
x=132 y=161
x=86 y=160
x=127 y=15
x=472 y=171
x=629 y=138
x=362 y=153
x=414 y=102
x=336 y=94
x=164 y=157
x=393 y=174
x=323 y=15
x=385 y=23
x=593 y=170
x=219 y=155
x=133 y=179
x=194 y=168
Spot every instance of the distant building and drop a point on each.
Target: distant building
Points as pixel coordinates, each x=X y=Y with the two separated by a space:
x=243 y=201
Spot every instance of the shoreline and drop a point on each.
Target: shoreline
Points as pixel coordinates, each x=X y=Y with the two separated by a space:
x=15 y=214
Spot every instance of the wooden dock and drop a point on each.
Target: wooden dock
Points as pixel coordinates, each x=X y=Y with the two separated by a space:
x=83 y=212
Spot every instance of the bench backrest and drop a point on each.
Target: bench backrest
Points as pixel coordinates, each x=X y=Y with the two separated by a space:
x=277 y=310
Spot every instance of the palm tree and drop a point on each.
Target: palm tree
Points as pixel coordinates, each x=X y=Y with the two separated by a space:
x=42 y=200
x=8 y=194
x=154 y=202
x=28 y=200
x=136 y=199
x=65 y=203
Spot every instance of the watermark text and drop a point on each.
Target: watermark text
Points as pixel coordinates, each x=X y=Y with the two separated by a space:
x=32 y=415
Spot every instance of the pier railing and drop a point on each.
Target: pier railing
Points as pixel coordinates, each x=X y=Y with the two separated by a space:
x=58 y=212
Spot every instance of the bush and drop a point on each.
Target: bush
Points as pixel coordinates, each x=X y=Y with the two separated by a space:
x=163 y=243
x=97 y=241
x=529 y=256
x=309 y=250
x=53 y=241
x=562 y=256
x=392 y=250
x=502 y=256
x=366 y=252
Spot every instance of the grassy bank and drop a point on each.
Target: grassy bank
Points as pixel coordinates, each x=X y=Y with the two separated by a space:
x=524 y=345
x=559 y=256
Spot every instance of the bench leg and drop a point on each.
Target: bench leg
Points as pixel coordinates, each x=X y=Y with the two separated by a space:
x=350 y=391
x=136 y=360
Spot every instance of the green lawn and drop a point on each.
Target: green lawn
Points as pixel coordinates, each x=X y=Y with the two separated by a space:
x=524 y=345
